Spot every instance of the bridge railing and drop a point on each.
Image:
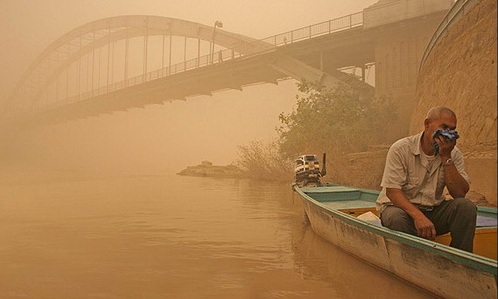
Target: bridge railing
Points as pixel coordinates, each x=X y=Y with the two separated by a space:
x=327 y=27
x=257 y=47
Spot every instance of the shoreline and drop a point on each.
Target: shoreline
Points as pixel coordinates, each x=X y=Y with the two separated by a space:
x=207 y=169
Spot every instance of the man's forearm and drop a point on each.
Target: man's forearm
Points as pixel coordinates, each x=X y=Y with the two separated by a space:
x=456 y=184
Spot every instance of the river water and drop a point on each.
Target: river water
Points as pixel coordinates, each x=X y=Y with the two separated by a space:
x=167 y=236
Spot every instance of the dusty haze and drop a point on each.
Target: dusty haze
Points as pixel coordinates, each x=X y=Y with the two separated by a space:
x=157 y=138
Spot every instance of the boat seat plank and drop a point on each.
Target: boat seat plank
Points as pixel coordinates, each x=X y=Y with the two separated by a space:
x=483 y=221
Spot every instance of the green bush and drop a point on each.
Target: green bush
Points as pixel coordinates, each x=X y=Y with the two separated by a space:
x=341 y=120
x=338 y=121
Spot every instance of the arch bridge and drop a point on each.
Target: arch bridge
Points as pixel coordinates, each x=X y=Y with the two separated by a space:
x=131 y=61
x=123 y=62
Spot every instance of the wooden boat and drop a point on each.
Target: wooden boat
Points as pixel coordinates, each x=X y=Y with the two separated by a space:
x=445 y=271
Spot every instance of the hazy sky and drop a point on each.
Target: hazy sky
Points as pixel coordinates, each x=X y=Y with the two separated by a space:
x=203 y=128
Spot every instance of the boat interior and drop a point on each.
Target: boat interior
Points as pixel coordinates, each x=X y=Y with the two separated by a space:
x=360 y=203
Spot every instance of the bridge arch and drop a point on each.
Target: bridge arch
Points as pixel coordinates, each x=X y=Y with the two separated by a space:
x=45 y=91
x=86 y=39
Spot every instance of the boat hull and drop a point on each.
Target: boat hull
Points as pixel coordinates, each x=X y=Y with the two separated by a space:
x=442 y=270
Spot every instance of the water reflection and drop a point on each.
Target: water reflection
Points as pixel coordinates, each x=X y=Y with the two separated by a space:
x=173 y=237
x=352 y=278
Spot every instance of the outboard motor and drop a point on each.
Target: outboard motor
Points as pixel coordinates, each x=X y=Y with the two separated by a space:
x=307 y=170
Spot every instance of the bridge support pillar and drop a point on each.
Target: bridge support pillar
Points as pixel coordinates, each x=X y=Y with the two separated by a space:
x=399 y=49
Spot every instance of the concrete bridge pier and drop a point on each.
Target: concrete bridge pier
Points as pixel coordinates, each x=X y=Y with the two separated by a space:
x=402 y=30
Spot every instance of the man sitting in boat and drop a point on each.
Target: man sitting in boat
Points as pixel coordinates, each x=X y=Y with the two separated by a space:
x=417 y=169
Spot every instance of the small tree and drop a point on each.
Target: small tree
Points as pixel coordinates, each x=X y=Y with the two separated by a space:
x=341 y=119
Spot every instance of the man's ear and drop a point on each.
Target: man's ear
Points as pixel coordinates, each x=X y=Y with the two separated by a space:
x=426 y=123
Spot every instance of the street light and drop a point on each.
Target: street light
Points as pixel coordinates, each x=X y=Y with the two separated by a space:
x=218 y=24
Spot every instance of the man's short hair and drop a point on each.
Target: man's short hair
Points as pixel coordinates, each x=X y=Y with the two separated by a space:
x=435 y=112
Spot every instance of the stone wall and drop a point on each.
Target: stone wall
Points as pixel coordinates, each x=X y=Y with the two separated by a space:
x=460 y=73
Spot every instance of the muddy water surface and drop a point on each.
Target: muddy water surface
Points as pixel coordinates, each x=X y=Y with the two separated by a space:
x=170 y=237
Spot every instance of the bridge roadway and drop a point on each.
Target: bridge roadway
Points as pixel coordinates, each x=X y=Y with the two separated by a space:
x=314 y=59
x=350 y=47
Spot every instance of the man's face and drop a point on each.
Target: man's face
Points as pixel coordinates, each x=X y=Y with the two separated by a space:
x=445 y=122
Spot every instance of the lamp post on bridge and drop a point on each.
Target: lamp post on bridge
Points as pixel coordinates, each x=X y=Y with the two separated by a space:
x=218 y=24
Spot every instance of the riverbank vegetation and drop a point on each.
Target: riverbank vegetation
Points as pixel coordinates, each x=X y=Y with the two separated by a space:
x=260 y=160
x=339 y=121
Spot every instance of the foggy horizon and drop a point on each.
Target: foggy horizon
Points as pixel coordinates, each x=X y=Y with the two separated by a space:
x=104 y=105
x=165 y=137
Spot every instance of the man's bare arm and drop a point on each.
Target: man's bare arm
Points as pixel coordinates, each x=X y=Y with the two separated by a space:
x=455 y=182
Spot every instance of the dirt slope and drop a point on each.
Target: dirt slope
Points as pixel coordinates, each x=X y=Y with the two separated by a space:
x=460 y=73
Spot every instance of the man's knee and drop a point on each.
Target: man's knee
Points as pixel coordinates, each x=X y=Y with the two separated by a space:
x=395 y=218
x=465 y=208
x=465 y=205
